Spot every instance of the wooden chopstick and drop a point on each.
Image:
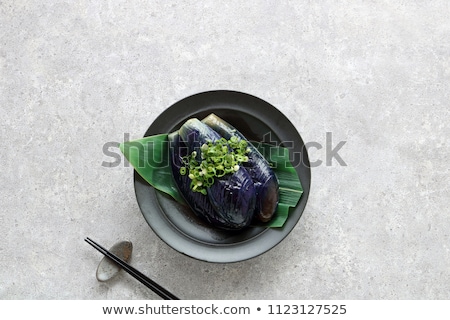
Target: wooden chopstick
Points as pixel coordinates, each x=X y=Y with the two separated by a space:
x=163 y=293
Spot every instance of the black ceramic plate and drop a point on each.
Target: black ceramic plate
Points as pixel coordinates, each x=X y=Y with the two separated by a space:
x=176 y=225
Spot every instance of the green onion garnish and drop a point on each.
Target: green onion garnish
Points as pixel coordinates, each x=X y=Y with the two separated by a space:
x=218 y=158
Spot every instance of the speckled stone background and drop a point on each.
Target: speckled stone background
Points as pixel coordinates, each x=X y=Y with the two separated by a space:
x=75 y=75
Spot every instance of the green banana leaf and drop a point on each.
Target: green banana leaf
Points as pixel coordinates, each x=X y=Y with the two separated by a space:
x=150 y=158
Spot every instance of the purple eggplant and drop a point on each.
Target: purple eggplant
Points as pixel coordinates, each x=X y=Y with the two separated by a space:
x=230 y=201
x=264 y=179
x=199 y=203
x=194 y=134
x=234 y=196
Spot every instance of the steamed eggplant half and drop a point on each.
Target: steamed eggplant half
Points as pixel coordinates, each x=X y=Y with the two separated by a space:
x=265 y=180
x=229 y=202
x=199 y=204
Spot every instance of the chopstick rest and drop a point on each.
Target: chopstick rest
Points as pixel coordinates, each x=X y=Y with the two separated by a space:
x=149 y=283
x=107 y=268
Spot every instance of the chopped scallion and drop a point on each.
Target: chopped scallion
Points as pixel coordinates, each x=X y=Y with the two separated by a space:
x=217 y=159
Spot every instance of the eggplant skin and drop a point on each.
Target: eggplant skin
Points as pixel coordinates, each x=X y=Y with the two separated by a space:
x=264 y=179
x=230 y=201
x=234 y=196
x=194 y=134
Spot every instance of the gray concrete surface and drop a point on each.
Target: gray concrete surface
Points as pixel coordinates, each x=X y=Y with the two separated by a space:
x=376 y=74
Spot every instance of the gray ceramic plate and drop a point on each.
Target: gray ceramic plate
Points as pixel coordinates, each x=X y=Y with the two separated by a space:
x=176 y=225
